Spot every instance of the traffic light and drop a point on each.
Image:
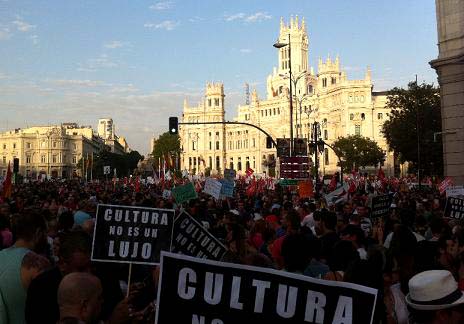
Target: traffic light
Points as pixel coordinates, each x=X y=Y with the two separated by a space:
x=268 y=142
x=173 y=125
x=15 y=165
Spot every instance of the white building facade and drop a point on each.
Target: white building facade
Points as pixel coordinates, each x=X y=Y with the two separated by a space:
x=342 y=107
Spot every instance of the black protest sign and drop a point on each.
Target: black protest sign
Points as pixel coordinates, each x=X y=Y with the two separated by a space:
x=221 y=293
x=128 y=234
x=191 y=238
x=454 y=208
x=381 y=206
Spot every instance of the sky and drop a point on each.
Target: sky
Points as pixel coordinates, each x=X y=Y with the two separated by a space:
x=136 y=61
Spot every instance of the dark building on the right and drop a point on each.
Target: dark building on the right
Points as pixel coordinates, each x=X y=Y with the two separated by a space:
x=450 y=69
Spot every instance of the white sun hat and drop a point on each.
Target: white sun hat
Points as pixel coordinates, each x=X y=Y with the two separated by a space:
x=434 y=290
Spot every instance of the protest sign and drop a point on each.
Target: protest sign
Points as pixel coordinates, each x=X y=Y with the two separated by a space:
x=127 y=234
x=217 y=292
x=106 y=170
x=305 y=189
x=213 y=187
x=381 y=206
x=454 y=208
x=455 y=191
x=184 y=193
x=227 y=188
x=191 y=238
x=229 y=174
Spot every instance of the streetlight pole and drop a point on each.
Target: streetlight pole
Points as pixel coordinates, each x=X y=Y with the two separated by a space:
x=281 y=45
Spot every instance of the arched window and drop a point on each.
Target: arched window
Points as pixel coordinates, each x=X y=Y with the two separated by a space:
x=363 y=116
x=351 y=116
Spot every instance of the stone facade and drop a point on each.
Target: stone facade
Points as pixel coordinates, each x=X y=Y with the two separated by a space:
x=343 y=107
x=49 y=150
x=450 y=69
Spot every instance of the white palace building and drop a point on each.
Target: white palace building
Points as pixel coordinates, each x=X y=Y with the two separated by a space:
x=342 y=107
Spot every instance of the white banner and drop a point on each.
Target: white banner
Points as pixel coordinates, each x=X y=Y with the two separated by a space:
x=213 y=187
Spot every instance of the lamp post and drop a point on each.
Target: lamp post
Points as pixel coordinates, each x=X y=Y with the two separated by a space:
x=281 y=45
x=294 y=81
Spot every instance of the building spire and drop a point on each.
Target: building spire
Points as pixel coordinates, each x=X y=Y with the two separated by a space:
x=303 y=24
x=281 y=24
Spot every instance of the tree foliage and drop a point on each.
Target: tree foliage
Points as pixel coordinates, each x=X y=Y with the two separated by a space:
x=123 y=163
x=166 y=144
x=357 y=151
x=415 y=109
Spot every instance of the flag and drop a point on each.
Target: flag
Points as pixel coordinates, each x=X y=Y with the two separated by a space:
x=7 y=184
x=381 y=174
x=249 y=172
x=352 y=188
x=137 y=184
x=441 y=187
x=333 y=183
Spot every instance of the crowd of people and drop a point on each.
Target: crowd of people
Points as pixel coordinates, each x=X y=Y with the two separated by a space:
x=414 y=256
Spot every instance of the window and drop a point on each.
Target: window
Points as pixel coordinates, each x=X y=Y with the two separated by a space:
x=247 y=163
x=265 y=112
x=357 y=130
x=326 y=156
x=74 y=146
x=218 y=163
x=310 y=89
x=239 y=164
x=274 y=111
x=42 y=159
x=28 y=159
x=4 y=146
x=278 y=111
x=4 y=160
x=209 y=102
x=217 y=145
x=216 y=102
x=54 y=144
x=326 y=134
x=14 y=145
x=254 y=142
x=54 y=158
x=363 y=116
x=190 y=162
x=254 y=162
x=210 y=145
x=351 y=116
x=193 y=146
x=29 y=145
x=210 y=162
x=379 y=116
x=209 y=134
x=324 y=82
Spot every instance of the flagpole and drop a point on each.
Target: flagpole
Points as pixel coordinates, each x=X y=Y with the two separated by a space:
x=91 y=167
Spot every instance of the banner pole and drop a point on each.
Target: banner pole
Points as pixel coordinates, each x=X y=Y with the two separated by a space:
x=129 y=280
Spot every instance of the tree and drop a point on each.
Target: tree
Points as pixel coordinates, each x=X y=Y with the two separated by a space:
x=357 y=151
x=166 y=145
x=125 y=164
x=414 y=111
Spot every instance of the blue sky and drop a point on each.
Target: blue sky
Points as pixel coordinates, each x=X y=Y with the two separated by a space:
x=136 y=61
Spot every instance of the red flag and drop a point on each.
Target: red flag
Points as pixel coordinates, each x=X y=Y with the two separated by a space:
x=137 y=184
x=333 y=183
x=381 y=174
x=352 y=188
x=251 y=189
x=249 y=172
x=442 y=187
x=7 y=184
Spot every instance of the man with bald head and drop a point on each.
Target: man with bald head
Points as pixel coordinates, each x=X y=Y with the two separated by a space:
x=79 y=298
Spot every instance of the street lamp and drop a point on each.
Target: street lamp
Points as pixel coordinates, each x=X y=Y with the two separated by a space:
x=294 y=81
x=281 y=45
